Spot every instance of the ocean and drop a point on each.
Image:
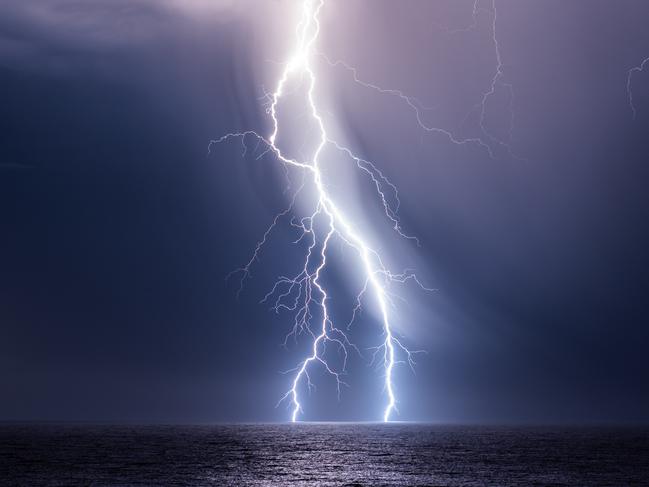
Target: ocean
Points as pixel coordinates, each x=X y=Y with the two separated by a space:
x=310 y=455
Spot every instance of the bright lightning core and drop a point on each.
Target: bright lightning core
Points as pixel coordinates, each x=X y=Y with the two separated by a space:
x=305 y=294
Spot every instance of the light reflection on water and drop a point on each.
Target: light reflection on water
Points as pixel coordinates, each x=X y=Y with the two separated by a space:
x=322 y=455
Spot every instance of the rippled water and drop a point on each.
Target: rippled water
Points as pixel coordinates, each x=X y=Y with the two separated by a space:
x=322 y=455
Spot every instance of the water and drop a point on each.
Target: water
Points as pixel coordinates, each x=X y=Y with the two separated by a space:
x=322 y=455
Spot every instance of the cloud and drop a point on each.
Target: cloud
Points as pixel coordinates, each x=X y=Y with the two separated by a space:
x=50 y=26
x=57 y=36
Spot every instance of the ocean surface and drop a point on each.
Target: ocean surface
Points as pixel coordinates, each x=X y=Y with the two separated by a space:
x=322 y=455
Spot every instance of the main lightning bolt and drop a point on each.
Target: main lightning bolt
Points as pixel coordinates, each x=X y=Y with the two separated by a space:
x=304 y=292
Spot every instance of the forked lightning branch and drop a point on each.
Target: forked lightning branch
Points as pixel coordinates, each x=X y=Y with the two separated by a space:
x=306 y=294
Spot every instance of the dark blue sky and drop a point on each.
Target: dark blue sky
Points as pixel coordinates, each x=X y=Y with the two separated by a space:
x=117 y=229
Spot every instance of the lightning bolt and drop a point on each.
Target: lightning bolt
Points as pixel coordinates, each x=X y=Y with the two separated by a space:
x=487 y=140
x=305 y=294
x=496 y=82
x=336 y=223
x=629 y=86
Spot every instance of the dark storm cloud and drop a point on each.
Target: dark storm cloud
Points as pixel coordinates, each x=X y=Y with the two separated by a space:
x=46 y=35
x=45 y=27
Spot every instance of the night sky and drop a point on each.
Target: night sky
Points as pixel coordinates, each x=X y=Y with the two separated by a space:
x=118 y=229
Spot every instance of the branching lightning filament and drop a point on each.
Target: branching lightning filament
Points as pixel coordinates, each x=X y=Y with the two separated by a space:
x=629 y=86
x=305 y=294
